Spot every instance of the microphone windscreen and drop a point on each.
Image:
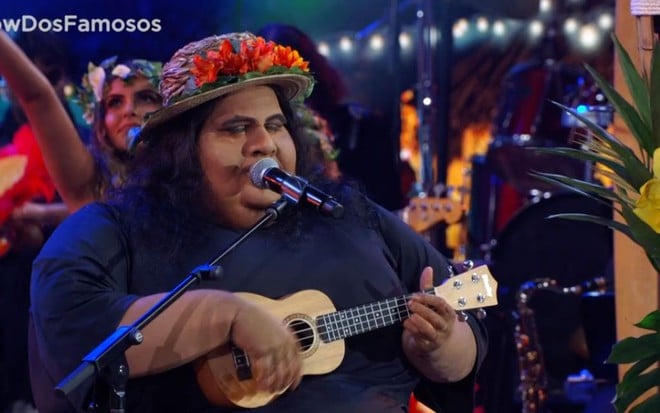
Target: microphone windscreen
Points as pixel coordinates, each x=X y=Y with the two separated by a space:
x=258 y=170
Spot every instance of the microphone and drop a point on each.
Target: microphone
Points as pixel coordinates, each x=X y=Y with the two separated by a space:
x=133 y=138
x=266 y=174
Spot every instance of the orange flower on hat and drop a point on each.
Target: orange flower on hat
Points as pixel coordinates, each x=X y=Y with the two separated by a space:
x=259 y=53
x=205 y=67
x=254 y=56
x=288 y=57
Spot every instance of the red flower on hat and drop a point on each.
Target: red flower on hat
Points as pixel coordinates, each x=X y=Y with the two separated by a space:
x=259 y=54
x=253 y=56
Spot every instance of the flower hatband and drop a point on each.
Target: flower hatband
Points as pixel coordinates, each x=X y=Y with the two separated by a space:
x=217 y=61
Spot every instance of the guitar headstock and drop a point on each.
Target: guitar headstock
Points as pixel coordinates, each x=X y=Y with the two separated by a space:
x=475 y=288
x=422 y=213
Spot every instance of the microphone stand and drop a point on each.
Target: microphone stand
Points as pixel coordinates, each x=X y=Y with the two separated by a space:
x=108 y=358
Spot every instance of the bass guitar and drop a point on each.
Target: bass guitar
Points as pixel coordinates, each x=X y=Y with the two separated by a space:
x=422 y=213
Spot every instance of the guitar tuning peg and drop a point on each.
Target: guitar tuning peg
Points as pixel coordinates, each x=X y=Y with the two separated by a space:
x=469 y=264
x=481 y=314
x=462 y=316
x=450 y=268
x=438 y=189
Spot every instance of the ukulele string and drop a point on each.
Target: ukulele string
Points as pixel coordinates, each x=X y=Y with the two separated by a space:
x=401 y=308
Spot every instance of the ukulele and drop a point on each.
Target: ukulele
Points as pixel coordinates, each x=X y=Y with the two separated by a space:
x=422 y=213
x=224 y=373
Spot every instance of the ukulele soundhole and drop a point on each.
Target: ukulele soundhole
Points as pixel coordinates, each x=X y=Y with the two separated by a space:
x=303 y=327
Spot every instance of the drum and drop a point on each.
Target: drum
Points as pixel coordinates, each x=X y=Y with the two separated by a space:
x=570 y=252
x=527 y=118
x=493 y=202
x=533 y=246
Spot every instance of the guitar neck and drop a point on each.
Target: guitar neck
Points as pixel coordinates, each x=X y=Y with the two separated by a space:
x=357 y=320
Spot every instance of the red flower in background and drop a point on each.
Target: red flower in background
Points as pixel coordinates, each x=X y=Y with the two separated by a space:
x=33 y=183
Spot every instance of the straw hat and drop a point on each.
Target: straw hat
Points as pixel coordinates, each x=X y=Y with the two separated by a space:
x=219 y=65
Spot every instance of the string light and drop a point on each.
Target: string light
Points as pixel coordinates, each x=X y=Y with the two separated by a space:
x=570 y=25
x=545 y=6
x=535 y=28
x=605 y=21
x=345 y=44
x=460 y=28
x=482 y=24
x=324 y=49
x=589 y=37
x=376 y=42
x=499 y=28
x=586 y=35
x=404 y=40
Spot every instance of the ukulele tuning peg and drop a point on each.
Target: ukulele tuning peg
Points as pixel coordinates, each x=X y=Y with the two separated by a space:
x=462 y=316
x=450 y=268
x=481 y=314
x=468 y=264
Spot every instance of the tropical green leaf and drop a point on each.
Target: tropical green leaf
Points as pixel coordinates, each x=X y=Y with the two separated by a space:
x=628 y=170
x=638 y=368
x=628 y=391
x=644 y=235
x=615 y=225
x=655 y=91
x=574 y=153
x=651 y=321
x=631 y=349
x=650 y=405
x=636 y=84
x=637 y=172
x=576 y=185
x=640 y=130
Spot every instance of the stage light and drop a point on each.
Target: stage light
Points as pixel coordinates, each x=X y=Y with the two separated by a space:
x=482 y=24
x=535 y=28
x=545 y=6
x=499 y=28
x=345 y=44
x=570 y=25
x=324 y=49
x=404 y=40
x=589 y=37
x=460 y=28
x=427 y=101
x=376 y=42
x=605 y=21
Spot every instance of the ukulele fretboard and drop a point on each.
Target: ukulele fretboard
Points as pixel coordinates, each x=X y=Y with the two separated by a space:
x=368 y=317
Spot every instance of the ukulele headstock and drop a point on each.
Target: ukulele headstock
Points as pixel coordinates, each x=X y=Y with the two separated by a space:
x=473 y=289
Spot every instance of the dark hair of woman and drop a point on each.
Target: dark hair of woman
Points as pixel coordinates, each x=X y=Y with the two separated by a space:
x=330 y=89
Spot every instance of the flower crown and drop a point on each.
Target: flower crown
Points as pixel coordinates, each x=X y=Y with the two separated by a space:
x=90 y=94
x=316 y=129
x=227 y=59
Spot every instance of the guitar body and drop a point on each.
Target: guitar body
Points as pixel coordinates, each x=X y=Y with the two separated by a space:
x=216 y=371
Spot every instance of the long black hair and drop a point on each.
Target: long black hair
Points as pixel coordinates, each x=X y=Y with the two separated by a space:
x=166 y=186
